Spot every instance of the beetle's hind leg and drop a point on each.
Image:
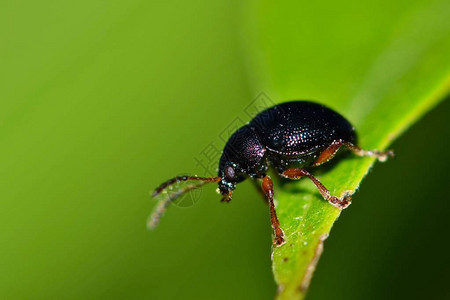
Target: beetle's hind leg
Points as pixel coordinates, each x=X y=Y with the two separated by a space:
x=297 y=173
x=380 y=155
x=329 y=152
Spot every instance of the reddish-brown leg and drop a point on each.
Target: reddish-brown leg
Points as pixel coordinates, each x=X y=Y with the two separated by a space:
x=267 y=187
x=297 y=173
x=329 y=152
x=380 y=155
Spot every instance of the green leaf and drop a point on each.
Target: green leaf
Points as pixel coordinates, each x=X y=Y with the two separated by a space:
x=381 y=64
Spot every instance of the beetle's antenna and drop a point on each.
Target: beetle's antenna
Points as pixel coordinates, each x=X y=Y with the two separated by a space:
x=161 y=208
x=177 y=179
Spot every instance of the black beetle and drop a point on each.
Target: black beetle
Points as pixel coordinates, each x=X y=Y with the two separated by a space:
x=289 y=137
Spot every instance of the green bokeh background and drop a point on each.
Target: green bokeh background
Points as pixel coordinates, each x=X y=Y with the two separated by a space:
x=102 y=100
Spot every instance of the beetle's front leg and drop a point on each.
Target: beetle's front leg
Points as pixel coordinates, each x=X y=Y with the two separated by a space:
x=297 y=173
x=267 y=187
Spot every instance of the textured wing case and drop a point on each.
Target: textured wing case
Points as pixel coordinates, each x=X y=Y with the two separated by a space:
x=300 y=127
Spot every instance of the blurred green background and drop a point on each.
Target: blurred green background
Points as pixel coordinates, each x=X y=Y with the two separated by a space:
x=100 y=101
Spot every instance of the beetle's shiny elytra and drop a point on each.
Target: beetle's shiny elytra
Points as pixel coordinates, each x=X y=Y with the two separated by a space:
x=290 y=137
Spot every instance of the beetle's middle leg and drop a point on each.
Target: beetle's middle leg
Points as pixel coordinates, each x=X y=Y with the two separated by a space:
x=331 y=150
x=297 y=173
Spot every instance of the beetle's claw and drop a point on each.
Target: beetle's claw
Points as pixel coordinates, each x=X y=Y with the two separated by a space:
x=346 y=202
x=279 y=238
x=227 y=198
x=342 y=202
x=383 y=156
x=278 y=241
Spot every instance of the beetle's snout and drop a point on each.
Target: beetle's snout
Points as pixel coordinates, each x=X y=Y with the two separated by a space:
x=223 y=188
x=226 y=190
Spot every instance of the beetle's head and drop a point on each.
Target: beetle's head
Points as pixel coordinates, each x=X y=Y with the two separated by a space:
x=229 y=177
x=241 y=157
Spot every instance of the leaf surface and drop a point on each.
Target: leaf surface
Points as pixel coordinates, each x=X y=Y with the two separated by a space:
x=381 y=64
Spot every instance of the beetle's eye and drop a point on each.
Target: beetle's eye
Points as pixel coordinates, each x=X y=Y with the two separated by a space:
x=229 y=173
